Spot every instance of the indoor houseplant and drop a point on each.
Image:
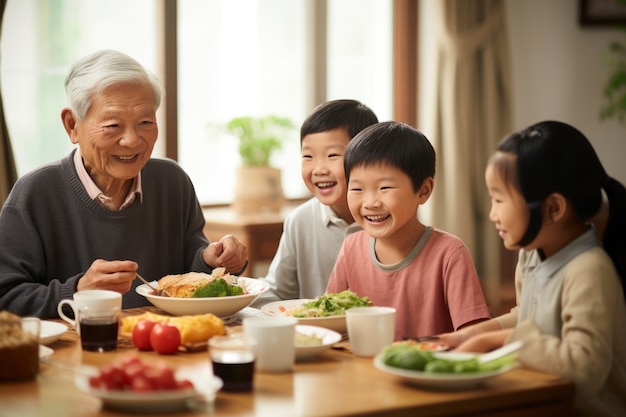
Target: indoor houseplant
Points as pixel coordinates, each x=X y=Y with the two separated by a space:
x=615 y=87
x=258 y=186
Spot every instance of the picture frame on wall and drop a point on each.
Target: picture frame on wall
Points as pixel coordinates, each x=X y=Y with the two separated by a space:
x=602 y=12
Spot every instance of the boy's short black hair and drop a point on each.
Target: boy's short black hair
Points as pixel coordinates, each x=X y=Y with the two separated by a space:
x=394 y=144
x=352 y=115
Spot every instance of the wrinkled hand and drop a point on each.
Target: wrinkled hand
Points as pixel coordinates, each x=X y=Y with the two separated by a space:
x=229 y=253
x=109 y=275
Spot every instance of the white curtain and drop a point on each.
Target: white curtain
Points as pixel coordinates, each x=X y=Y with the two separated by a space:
x=8 y=172
x=473 y=112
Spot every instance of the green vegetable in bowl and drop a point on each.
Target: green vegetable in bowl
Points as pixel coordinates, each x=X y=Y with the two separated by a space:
x=453 y=366
x=218 y=288
x=334 y=304
x=406 y=357
x=411 y=357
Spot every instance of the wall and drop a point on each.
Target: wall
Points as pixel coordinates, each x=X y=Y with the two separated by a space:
x=557 y=72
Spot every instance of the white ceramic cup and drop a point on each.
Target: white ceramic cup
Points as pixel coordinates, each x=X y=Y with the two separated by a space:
x=104 y=303
x=370 y=328
x=275 y=342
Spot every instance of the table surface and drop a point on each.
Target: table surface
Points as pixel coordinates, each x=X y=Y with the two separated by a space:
x=334 y=384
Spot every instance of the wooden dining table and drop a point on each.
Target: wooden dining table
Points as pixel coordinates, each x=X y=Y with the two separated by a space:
x=337 y=383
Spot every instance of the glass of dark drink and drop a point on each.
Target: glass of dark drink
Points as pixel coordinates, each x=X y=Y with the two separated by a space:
x=232 y=357
x=99 y=328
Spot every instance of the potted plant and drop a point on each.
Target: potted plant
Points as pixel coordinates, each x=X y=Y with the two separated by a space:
x=258 y=186
x=615 y=88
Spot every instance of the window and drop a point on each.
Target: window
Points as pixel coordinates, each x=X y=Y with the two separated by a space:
x=40 y=40
x=235 y=58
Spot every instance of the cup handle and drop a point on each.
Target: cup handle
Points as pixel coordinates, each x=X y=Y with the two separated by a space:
x=62 y=314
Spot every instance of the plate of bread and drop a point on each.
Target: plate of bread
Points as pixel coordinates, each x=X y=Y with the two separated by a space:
x=218 y=293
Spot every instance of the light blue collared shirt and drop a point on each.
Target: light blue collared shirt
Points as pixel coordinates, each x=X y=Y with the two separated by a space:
x=543 y=283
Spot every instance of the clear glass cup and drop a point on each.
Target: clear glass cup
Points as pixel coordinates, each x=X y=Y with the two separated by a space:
x=232 y=357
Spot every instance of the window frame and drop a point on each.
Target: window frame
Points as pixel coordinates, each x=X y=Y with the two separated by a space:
x=404 y=67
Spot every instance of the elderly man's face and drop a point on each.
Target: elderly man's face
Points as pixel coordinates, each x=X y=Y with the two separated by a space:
x=117 y=136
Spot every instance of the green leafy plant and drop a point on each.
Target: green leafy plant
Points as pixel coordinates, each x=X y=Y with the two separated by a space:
x=259 y=137
x=615 y=88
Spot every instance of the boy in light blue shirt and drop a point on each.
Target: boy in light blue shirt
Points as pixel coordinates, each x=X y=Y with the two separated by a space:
x=314 y=231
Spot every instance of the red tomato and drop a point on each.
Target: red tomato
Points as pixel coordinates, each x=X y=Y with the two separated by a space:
x=141 y=384
x=113 y=377
x=161 y=377
x=165 y=338
x=135 y=371
x=132 y=374
x=141 y=334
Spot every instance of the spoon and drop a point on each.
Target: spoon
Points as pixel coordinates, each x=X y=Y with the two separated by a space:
x=484 y=357
x=501 y=352
x=156 y=291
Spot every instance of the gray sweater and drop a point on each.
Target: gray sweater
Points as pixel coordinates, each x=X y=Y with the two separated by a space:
x=51 y=232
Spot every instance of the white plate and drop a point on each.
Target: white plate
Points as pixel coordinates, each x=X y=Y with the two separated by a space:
x=329 y=338
x=283 y=308
x=224 y=307
x=440 y=380
x=45 y=352
x=51 y=331
x=149 y=402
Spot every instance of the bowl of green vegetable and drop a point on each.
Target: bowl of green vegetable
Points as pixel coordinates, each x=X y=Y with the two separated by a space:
x=221 y=303
x=328 y=310
x=445 y=370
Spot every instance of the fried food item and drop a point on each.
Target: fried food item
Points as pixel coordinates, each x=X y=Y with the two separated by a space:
x=193 y=329
x=185 y=285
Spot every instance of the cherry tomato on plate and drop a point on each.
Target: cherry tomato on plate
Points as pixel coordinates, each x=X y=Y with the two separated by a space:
x=165 y=338
x=141 y=334
x=132 y=374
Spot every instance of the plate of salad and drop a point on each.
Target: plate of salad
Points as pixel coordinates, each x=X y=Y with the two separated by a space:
x=328 y=310
x=445 y=370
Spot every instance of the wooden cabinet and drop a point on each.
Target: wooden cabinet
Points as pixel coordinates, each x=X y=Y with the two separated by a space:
x=259 y=232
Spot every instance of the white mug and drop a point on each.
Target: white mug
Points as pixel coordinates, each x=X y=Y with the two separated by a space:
x=102 y=302
x=370 y=328
x=275 y=342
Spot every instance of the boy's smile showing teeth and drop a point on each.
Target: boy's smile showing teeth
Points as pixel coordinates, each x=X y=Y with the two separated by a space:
x=323 y=185
x=377 y=218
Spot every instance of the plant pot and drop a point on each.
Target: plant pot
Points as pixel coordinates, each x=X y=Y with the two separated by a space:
x=258 y=189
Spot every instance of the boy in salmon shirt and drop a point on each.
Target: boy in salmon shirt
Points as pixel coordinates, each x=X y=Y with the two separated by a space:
x=425 y=273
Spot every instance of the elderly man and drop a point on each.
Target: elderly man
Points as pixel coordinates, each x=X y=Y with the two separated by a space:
x=106 y=211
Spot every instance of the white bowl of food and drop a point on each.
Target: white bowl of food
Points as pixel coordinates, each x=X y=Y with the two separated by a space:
x=312 y=341
x=223 y=306
x=329 y=316
x=287 y=307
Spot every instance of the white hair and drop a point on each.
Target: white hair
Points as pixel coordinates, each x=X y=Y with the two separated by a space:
x=92 y=74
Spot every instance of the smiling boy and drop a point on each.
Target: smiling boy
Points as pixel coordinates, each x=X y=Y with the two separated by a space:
x=313 y=232
x=425 y=273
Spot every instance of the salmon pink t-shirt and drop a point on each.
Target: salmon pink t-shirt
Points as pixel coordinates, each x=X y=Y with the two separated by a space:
x=435 y=289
